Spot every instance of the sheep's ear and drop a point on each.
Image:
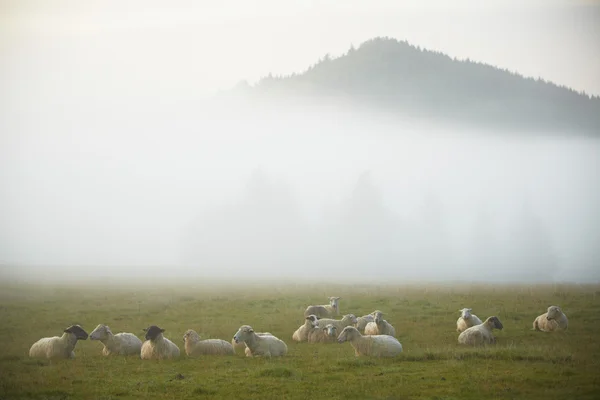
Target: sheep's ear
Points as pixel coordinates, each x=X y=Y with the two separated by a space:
x=250 y=330
x=162 y=330
x=145 y=329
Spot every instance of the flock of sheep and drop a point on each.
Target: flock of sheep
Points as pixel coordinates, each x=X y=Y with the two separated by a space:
x=369 y=335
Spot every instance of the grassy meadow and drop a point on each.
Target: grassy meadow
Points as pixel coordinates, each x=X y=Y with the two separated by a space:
x=524 y=364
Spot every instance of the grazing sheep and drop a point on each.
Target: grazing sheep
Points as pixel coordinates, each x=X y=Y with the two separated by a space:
x=480 y=334
x=370 y=345
x=157 y=346
x=324 y=311
x=301 y=334
x=379 y=326
x=58 y=347
x=196 y=347
x=241 y=346
x=265 y=346
x=347 y=320
x=552 y=320
x=328 y=334
x=120 y=344
x=466 y=320
x=363 y=321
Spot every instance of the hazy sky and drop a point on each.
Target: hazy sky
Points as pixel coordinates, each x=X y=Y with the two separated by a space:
x=196 y=47
x=110 y=154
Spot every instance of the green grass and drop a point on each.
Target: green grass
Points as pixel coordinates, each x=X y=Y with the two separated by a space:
x=524 y=364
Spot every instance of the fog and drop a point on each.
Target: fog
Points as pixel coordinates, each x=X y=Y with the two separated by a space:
x=234 y=191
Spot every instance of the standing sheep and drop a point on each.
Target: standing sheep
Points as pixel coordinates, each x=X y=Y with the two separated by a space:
x=265 y=346
x=196 y=347
x=58 y=347
x=466 y=320
x=379 y=326
x=328 y=334
x=324 y=311
x=552 y=320
x=120 y=344
x=480 y=334
x=347 y=320
x=370 y=345
x=157 y=346
x=301 y=334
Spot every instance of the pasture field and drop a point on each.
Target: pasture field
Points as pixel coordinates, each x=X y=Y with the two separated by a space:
x=524 y=364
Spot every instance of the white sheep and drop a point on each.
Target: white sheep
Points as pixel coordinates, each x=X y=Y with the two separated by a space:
x=363 y=321
x=58 y=347
x=379 y=326
x=324 y=311
x=328 y=334
x=480 y=334
x=196 y=347
x=301 y=334
x=552 y=320
x=370 y=345
x=241 y=346
x=157 y=346
x=120 y=344
x=347 y=320
x=265 y=346
x=466 y=320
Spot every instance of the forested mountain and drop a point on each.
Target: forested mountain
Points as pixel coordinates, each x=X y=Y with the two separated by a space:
x=395 y=76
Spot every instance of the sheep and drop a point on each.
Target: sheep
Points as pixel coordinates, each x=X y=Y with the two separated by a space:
x=265 y=346
x=328 y=334
x=196 y=347
x=301 y=334
x=370 y=345
x=480 y=334
x=242 y=345
x=552 y=320
x=120 y=344
x=379 y=326
x=466 y=320
x=363 y=321
x=347 y=320
x=157 y=346
x=58 y=347
x=324 y=311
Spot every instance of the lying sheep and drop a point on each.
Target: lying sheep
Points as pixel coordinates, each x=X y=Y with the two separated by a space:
x=552 y=320
x=301 y=334
x=328 y=334
x=370 y=345
x=324 y=311
x=347 y=320
x=466 y=320
x=480 y=334
x=265 y=346
x=241 y=346
x=196 y=347
x=379 y=326
x=363 y=321
x=157 y=346
x=120 y=344
x=58 y=347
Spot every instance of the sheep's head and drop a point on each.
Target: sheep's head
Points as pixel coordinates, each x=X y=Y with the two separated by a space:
x=378 y=315
x=101 y=332
x=313 y=319
x=152 y=332
x=243 y=333
x=191 y=336
x=494 y=322
x=553 y=312
x=78 y=331
x=333 y=301
x=348 y=334
x=465 y=313
x=350 y=318
x=330 y=330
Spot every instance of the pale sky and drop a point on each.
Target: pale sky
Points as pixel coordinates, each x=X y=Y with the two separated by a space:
x=191 y=47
